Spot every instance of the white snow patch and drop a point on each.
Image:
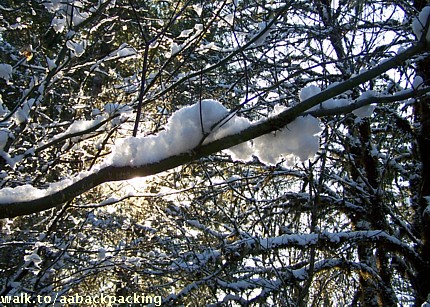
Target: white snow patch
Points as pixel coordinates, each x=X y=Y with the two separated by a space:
x=79 y=17
x=313 y=90
x=308 y=92
x=198 y=8
x=242 y=152
x=22 y=114
x=5 y=72
x=24 y=192
x=175 y=48
x=77 y=49
x=79 y=127
x=28 y=192
x=53 y=5
x=51 y=64
x=365 y=111
x=82 y=125
x=186 y=33
x=188 y=127
x=298 y=139
x=419 y=23
x=184 y=131
x=194 y=125
x=125 y=51
x=35 y=258
x=229 y=126
x=59 y=24
x=418 y=82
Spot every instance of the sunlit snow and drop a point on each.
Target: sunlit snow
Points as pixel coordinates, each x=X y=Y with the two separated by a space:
x=298 y=139
x=187 y=128
x=208 y=121
x=183 y=132
x=22 y=113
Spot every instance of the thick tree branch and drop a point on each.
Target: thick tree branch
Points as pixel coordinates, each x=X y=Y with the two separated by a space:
x=113 y=173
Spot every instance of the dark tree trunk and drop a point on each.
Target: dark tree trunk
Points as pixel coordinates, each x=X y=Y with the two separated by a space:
x=363 y=164
x=422 y=117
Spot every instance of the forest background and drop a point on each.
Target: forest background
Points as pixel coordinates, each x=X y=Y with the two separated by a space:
x=230 y=152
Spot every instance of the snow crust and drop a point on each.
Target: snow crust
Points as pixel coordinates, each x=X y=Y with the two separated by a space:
x=419 y=23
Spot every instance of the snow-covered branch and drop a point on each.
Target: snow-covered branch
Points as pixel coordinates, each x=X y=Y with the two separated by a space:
x=371 y=99
x=142 y=161
x=255 y=246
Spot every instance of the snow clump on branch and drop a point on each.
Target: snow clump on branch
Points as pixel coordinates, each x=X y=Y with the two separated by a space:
x=209 y=120
x=183 y=132
x=419 y=23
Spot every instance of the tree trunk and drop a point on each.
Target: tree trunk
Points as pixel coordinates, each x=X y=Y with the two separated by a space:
x=422 y=118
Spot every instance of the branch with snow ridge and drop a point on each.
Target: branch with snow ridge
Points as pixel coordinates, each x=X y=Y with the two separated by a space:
x=26 y=199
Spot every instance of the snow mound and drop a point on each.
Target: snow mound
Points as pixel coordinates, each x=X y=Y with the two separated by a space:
x=184 y=131
x=209 y=120
x=298 y=139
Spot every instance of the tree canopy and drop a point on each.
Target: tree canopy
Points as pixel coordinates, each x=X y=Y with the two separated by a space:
x=229 y=152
